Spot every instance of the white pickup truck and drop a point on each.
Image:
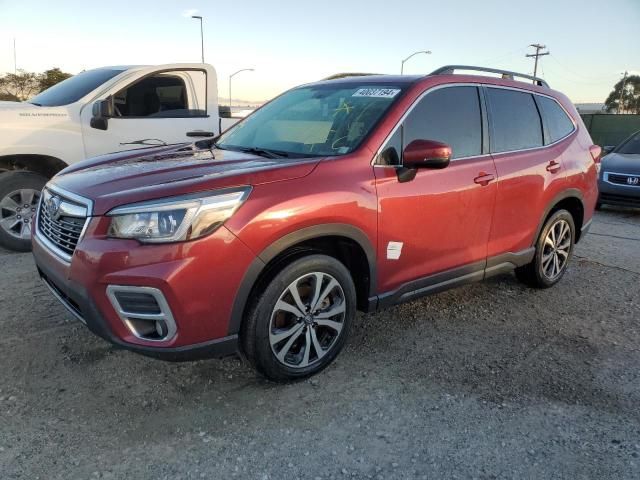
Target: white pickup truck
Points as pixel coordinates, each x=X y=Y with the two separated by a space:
x=93 y=113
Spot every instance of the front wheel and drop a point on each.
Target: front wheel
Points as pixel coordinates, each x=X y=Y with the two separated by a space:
x=19 y=196
x=301 y=320
x=553 y=251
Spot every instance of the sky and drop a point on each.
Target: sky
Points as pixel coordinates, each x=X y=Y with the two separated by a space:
x=592 y=42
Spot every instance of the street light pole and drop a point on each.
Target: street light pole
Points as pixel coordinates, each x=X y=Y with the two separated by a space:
x=426 y=52
x=233 y=75
x=198 y=17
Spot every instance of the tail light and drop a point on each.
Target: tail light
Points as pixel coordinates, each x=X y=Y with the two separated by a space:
x=596 y=154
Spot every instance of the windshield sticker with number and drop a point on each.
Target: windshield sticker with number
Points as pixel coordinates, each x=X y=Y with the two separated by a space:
x=376 y=92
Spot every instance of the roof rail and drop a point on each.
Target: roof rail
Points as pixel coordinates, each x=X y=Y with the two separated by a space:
x=450 y=69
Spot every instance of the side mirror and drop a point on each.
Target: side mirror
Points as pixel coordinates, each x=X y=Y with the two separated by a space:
x=426 y=154
x=608 y=149
x=101 y=111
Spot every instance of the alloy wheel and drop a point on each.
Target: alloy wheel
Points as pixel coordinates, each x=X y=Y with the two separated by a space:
x=556 y=250
x=17 y=211
x=307 y=320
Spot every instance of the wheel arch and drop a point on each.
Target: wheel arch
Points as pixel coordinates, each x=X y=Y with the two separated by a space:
x=44 y=165
x=571 y=200
x=344 y=242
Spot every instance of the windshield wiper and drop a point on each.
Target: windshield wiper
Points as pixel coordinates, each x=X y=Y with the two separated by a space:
x=262 y=152
x=152 y=142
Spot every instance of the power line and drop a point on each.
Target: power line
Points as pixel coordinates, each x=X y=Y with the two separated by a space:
x=537 y=55
x=503 y=56
x=570 y=69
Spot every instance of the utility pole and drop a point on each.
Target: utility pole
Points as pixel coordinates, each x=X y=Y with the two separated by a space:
x=15 y=63
x=620 y=104
x=536 y=55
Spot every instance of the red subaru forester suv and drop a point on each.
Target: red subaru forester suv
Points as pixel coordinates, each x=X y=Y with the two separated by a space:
x=343 y=195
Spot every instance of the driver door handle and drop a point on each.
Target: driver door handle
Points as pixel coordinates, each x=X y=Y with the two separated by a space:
x=200 y=133
x=484 y=179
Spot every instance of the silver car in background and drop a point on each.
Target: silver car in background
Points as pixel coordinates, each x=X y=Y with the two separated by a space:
x=619 y=180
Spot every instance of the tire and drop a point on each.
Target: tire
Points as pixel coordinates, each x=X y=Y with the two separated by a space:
x=599 y=206
x=540 y=273
x=17 y=189
x=281 y=344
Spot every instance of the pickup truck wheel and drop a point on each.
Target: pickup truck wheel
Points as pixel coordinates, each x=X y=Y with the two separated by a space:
x=19 y=196
x=553 y=251
x=301 y=321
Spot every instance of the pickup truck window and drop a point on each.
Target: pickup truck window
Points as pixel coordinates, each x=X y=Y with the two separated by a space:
x=73 y=89
x=175 y=94
x=325 y=120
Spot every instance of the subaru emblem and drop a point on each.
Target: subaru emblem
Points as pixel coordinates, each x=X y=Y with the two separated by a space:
x=53 y=207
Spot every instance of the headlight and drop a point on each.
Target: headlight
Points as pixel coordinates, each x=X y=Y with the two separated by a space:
x=176 y=219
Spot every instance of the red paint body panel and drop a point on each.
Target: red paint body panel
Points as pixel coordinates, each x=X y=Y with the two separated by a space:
x=338 y=191
x=442 y=217
x=474 y=209
x=525 y=189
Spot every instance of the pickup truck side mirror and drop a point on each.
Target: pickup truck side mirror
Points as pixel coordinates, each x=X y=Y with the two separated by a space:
x=608 y=149
x=101 y=111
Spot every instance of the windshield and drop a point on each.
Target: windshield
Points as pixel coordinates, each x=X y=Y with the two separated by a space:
x=73 y=88
x=631 y=146
x=319 y=120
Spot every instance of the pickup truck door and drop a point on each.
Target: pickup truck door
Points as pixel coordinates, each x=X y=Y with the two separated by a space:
x=160 y=105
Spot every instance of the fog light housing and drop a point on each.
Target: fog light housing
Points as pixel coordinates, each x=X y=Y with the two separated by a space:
x=144 y=310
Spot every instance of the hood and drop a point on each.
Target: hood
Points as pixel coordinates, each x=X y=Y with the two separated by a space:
x=621 y=163
x=15 y=114
x=158 y=172
x=8 y=105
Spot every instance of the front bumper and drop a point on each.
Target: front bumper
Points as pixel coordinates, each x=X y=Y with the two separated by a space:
x=617 y=194
x=199 y=280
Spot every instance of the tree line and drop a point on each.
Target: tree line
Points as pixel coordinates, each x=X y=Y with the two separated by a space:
x=630 y=96
x=23 y=85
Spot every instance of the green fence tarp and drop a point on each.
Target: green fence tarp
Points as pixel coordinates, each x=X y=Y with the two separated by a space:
x=610 y=129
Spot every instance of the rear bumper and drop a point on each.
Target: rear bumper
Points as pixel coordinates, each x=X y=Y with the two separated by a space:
x=198 y=288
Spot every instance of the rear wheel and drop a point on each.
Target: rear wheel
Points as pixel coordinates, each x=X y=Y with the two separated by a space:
x=553 y=251
x=19 y=196
x=300 y=322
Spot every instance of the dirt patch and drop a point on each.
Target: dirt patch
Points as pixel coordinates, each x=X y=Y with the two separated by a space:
x=492 y=380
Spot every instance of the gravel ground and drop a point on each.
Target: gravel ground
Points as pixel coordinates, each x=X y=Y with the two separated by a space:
x=492 y=380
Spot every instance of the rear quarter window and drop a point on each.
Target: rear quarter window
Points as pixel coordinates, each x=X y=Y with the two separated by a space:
x=556 y=120
x=515 y=121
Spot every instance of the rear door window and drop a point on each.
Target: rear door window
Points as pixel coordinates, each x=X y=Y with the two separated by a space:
x=515 y=121
x=450 y=115
x=556 y=120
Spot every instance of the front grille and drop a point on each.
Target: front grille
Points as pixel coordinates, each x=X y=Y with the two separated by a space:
x=624 y=179
x=57 y=225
